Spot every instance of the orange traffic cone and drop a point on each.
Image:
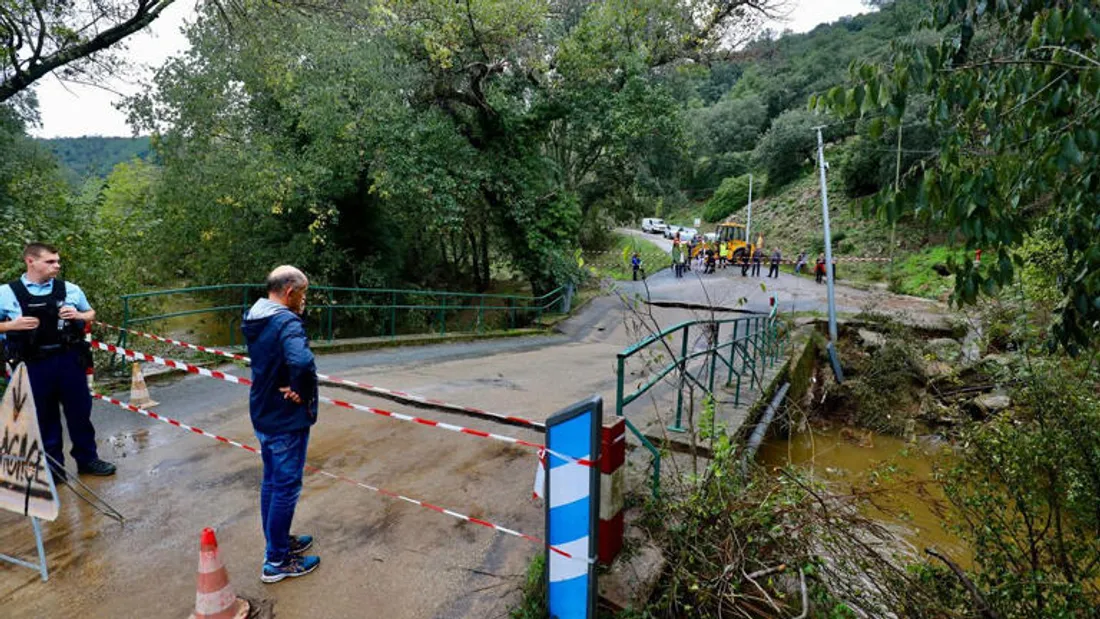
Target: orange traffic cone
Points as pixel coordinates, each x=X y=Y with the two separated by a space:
x=215 y=598
x=139 y=393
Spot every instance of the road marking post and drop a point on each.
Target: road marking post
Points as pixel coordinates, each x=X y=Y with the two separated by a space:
x=573 y=509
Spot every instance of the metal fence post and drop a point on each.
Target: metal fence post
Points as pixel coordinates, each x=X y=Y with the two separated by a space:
x=733 y=353
x=682 y=362
x=714 y=353
x=125 y=321
x=619 y=387
x=393 y=315
x=480 y=312
x=328 y=314
x=443 y=315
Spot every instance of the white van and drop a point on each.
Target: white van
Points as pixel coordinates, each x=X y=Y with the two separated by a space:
x=653 y=225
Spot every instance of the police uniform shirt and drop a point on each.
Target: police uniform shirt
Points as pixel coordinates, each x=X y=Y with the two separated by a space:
x=9 y=304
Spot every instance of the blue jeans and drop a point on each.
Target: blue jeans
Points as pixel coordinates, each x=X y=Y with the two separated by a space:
x=284 y=458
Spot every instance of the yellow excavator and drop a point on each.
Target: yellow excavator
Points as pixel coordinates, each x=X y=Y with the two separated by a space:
x=732 y=234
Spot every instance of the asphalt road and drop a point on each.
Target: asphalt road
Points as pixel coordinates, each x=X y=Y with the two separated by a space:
x=381 y=557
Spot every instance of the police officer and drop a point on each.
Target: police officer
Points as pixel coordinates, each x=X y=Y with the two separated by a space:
x=42 y=321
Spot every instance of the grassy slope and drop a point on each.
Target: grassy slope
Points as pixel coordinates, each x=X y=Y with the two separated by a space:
x=615 y=261
x=791 y=218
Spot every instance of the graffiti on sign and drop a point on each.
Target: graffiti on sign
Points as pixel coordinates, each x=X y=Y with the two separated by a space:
x=26 y=486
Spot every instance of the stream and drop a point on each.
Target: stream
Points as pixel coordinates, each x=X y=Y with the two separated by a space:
x=842 y=457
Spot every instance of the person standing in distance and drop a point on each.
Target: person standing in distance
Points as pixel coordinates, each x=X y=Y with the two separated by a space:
x=283 y=406
x=43 y=327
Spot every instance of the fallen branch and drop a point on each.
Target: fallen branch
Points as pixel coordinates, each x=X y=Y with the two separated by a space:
x=979 y=600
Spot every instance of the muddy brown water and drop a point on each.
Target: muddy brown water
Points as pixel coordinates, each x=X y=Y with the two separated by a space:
x=844 y=457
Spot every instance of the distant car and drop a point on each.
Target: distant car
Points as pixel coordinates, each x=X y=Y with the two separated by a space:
x=686 y=234
x=653 y=225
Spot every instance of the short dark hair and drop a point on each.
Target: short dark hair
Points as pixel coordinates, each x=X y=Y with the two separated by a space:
x=34 y=250
x=278 y=281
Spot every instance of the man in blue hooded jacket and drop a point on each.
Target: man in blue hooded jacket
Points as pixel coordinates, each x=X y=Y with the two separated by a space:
x=283 y=406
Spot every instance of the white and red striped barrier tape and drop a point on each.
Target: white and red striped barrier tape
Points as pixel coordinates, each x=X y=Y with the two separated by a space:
x=193 y=369
x=393 y=393
x=435 y=508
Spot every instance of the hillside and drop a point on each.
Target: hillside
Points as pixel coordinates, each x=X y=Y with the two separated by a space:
x=95 y=156
x=791 y=219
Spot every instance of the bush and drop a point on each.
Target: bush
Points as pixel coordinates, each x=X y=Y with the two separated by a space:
x=786 y=148
x=1025 y=492
x=709 y=172
x=860 y=170
x=732 y=195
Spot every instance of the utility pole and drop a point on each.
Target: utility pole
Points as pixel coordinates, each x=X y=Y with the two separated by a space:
x=748 y=223
x=828 y=259
x=828 y=236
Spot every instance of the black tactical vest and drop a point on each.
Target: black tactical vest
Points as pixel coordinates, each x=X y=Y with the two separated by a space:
x=47 y=339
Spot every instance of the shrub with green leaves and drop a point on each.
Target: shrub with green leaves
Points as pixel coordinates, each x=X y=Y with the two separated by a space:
x=732 y=195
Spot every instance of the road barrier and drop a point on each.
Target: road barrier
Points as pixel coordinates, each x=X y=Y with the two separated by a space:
x=227 y=377
x=336 y=380
x=393 y=495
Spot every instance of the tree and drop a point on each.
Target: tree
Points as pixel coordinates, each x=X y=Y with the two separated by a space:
x=731 y=196
x=39 y=36
x=81 y=38
x=1014 y=87
x=788 y=146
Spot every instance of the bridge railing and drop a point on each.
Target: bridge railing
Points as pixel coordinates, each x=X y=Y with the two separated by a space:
x=353 y=312
x=734 y=350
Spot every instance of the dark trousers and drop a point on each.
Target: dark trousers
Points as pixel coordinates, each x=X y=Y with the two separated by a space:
x=284 y=457
x=679 y=266
x=756 y=269
x=61 y=382
x=773 y=270
x=744 y=268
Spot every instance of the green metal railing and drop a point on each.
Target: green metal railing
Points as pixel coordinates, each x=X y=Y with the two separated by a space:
x=362 y=312
x=752 y=344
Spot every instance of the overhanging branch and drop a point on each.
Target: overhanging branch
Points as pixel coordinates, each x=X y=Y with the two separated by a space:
x=40 y=65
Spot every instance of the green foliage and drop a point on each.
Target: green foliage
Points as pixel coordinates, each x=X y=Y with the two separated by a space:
x=916 y=274
x=1025 y=494
x=1013 y=89
x=614 y=262
x=731 y=196
x=789 y=146
x=731 y=124
x=871 y=161
x=533 y=605
x=95 y=156
x=34 y=204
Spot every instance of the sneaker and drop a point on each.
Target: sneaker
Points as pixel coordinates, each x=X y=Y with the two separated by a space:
x=293 y=567
x=300 y=543
x=96 y=467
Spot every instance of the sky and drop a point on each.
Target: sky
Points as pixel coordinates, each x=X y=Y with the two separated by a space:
x=69 y=110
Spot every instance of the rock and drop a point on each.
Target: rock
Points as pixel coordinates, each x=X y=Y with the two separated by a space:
x=1001 y=360
x=871 y=339
x=632 y=577
x=992 y=403
x=934 y=370
x=944 y=349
